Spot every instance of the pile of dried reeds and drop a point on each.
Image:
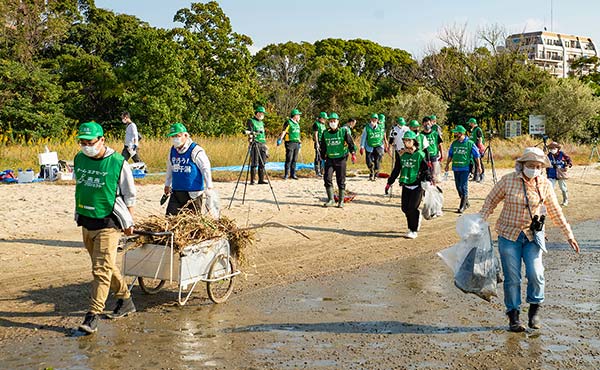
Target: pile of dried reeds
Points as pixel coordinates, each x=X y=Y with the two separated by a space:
x=191 y=228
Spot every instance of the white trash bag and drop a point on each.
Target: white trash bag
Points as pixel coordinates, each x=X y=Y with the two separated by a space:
x=472 y=259
x=213 y=203
x=433 y=201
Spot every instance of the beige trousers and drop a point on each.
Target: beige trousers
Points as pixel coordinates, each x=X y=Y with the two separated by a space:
x=102 y=247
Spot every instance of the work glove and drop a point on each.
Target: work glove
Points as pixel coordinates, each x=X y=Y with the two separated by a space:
x=362 y=151
x=353 y=157
x=278 y=142
x=131 y=151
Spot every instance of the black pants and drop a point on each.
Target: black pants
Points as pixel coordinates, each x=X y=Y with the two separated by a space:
x=291 y=156
x=374 y=158
x=179 y=199
x=258 y=155
x=318 y=160
x=411 y=200
x=125 y=153
x=337 y=165
x=396 y=170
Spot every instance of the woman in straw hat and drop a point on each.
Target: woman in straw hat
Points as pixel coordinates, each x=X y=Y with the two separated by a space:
x=529 y=197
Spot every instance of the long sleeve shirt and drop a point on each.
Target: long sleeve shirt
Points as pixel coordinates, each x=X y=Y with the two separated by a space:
x=200 y=159
x=514 y=217
x=131 y=135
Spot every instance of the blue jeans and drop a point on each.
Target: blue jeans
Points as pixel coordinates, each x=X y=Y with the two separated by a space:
x=461 y=180
x=511 y=254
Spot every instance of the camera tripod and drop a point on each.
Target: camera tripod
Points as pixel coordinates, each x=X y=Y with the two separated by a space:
x=595 y=150
x=253 y=148
x=490 y=159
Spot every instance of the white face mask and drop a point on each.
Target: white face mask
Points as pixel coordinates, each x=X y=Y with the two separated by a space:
x=532 y=173
x=92 y=150
x=178 y=141
x=554 y=151
x=333 y=124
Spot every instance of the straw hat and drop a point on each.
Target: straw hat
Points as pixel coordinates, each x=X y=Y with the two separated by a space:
x=533 y=154
x=554 y=144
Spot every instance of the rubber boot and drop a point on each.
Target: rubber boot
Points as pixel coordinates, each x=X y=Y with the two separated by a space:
x=341 y=199
x=463 y=202
x=261 y=176
x=534 y=319
x=252 y=175
x=514 y=324
x=330 y=200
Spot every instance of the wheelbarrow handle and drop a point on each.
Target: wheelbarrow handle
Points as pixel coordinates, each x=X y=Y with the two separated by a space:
x=153 y=233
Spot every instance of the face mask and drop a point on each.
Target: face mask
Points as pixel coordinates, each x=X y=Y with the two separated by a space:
x=373 y=124
x=177 y=141
x=531 y=172
x=554 y=151
x=427 y=127
x=91 y=151
x=333 y=125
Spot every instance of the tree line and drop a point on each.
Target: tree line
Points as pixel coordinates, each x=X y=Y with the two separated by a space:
x=63 y=62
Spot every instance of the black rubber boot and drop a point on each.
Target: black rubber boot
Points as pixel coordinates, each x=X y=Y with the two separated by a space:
x=252 y=175
x=514 y=324
x=462 y=206
x=330 y=201
x=534 y=319
x=341 y=199
x=261 y=176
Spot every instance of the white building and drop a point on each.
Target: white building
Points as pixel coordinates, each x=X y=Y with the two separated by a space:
x=553 y=52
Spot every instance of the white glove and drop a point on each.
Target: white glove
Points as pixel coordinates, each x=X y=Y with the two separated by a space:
x=131 y=151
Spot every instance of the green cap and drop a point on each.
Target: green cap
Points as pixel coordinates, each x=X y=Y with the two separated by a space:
x=433 y=117
x=410 y=135
x=90 y=131
x=176 y=128
x=472 y=120
x=260 y=109
x=334 y=116
x=294 y=112
x=414 y=123
x=401 y=121
x=374 y=115
x=323 y=115
x=381 y=117
x=459 y=129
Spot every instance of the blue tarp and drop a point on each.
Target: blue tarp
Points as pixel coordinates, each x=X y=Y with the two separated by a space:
x=269 y=166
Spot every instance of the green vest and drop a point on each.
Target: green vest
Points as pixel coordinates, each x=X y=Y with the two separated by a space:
x=320 y=129
x=432 y=138
x=335 y=143
x=97 y=184
x=293 y=132
x=474 y=134
x=410 y=165
x=375 y=135
x=461 y=152
x=259 y=127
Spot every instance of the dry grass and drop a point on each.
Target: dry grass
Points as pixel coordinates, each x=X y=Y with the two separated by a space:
x=231 y=150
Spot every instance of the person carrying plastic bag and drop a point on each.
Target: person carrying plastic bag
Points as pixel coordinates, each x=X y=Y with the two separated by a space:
x=472 y=259
x=528 y=197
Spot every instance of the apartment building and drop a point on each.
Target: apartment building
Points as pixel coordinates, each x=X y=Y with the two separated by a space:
x=553 y=52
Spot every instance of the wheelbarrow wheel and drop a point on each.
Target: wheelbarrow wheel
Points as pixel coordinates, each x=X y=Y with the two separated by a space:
x=150 y=286
x=219 y=291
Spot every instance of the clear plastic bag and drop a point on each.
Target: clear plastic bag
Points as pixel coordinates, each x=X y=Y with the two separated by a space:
x=472 y=259
x=433 y=201
x=213 y=203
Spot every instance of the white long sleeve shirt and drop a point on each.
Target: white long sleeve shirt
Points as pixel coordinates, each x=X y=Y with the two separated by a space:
x=131 y=135
x=200 y=159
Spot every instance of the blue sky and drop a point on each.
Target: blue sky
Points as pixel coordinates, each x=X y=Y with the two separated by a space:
x=409 y=25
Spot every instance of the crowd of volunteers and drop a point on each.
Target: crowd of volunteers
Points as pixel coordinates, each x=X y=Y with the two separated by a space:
x=105 y=192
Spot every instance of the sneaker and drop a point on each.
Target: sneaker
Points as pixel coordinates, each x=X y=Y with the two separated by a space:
x=565 y=203
x=295 y=177
x=90 y=323
x=123 y=308
x=411 y=234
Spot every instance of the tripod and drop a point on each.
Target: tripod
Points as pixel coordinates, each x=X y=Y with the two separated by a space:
x=490 y=159
x=253 y=148
x=595 y=150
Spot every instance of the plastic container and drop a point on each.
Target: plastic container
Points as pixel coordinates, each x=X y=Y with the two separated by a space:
x=26 y=176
